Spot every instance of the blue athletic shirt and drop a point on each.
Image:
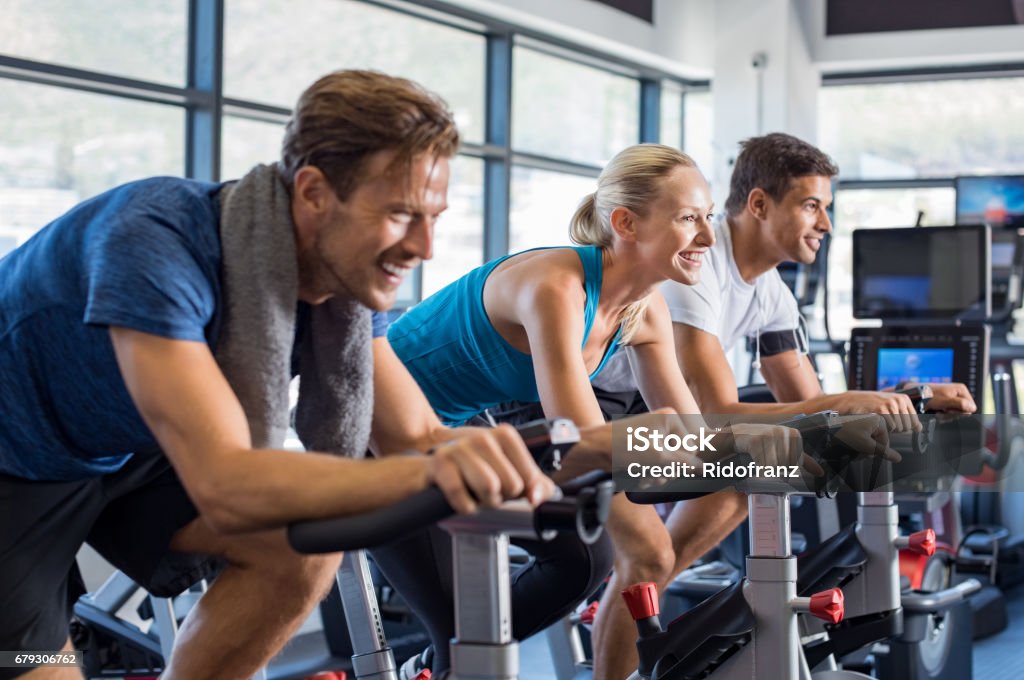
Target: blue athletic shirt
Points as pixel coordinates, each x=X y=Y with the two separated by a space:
x=145 y=256
x=461 y=362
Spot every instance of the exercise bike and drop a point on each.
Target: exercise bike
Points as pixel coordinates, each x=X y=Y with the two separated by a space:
x=483 y=646
x=751 y=629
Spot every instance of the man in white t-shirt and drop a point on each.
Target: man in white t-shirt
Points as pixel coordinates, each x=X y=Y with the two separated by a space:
x=780 y=190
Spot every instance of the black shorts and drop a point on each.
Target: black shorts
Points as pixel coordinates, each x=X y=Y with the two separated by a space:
x=129 y=517
x=613 y=405
x=620 y=404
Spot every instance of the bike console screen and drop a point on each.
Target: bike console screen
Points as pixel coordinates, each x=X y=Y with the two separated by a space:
x=885 y=357
x=917 y=364
x=939 y=273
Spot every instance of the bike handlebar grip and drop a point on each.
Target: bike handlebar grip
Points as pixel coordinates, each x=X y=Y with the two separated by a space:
x=584 y=514
x=922 y=542
x=549 y=440
x=642 y=600
x=919 y=396
x=369 y=530
x=828 y=605
x=587 y=479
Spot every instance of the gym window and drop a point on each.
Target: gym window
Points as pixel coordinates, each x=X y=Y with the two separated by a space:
x=90 y=99
x=882 y=130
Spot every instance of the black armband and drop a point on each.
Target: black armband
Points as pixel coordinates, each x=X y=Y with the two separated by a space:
x=777 y=342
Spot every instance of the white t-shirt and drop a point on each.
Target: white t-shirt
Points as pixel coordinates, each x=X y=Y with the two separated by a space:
x=721 y=303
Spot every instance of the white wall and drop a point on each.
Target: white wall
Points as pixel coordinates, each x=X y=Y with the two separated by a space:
x=685 y=32
x=781 y=96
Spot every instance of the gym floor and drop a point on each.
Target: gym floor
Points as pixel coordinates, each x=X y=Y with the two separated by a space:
x=999 y=657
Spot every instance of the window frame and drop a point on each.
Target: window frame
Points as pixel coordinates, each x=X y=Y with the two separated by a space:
x=202 y=97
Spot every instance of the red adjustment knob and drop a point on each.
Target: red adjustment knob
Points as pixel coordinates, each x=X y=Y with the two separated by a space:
x=922 y=542
x=422 y=675
x=828 y=605
x=642 y=600
x=587 y=615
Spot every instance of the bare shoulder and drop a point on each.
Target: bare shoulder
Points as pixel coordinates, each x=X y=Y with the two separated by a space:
x=657 y=324
x=554 y=272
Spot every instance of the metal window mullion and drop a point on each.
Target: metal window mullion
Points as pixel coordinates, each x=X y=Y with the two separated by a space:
x=205 y=74
x=923 y=74
x=498 y=166
x=55 y=75
x=539 y=162
x=650 y=110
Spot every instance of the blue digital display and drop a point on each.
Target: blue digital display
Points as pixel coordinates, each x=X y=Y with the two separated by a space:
x=925 y=365
x=896 y=291
x=998 y=201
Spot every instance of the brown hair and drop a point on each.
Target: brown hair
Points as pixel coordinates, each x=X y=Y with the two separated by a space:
x=771 y=163
x=630 y=180
x=346 y=116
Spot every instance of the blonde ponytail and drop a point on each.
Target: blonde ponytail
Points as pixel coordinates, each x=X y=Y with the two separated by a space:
x=585 y=226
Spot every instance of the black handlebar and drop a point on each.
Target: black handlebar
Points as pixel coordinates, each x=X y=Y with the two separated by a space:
x=369 y=530
x=583 y=508
x=583 y=513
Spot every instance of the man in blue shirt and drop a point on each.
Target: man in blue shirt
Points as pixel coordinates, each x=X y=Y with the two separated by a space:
x=120 y=428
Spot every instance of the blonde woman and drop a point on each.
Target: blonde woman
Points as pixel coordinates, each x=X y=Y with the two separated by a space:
x=540 y=325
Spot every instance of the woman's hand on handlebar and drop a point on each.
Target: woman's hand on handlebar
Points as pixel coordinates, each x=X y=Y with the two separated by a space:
x=773 y=445
x=596 y=446
x=485 y=468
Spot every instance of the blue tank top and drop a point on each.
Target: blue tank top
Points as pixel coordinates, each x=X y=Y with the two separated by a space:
x=461 y=362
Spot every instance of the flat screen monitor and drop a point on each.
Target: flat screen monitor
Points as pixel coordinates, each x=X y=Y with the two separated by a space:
x=884 y=357
x=939 y=273
x=997 y=201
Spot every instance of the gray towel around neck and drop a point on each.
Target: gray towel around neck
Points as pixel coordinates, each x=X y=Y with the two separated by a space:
x=260 y=298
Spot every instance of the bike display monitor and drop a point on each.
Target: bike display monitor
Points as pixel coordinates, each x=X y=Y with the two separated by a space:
x=929 y=273
x=884 y=357
x=908 y=364
x=997 y=201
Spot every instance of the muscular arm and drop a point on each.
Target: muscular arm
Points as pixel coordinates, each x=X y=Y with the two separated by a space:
x=788 y=374
x=402 y=417
x=791 y=377
x=707 y=371
x=551 y=313
x=194 y=415
x=655 y=367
